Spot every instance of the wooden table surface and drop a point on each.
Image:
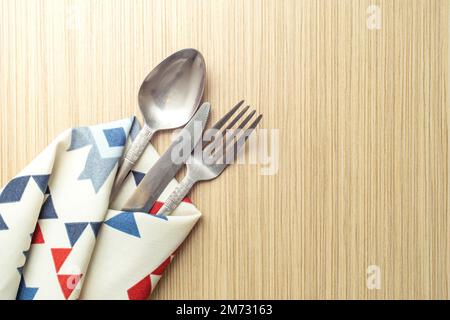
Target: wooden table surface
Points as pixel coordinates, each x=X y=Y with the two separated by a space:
x=360 y=117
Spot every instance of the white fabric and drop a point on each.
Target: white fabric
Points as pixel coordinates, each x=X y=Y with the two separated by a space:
x=81 y=247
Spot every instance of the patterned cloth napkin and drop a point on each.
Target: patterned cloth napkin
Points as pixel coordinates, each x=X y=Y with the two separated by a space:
x=61 y=239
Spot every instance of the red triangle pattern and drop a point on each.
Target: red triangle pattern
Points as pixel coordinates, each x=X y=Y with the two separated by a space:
x=38 y=237
x=59 y=256
x=158 y=204
x=141 y=290
x=154 y=210
x=186 y=199
x=68 y=283
x=160 y=270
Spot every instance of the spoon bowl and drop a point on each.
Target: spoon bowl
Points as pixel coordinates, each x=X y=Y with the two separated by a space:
x=171 y=93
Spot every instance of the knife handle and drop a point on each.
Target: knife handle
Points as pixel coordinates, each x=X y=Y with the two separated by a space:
x=132 y=155
x=177 y=195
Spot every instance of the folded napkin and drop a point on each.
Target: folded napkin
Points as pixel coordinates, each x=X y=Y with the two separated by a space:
x=61 y=239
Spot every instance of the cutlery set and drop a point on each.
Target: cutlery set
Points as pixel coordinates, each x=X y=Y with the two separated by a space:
x=169 y=98
x=79 y=250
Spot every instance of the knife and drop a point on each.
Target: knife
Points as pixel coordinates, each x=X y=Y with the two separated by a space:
x=163 y=171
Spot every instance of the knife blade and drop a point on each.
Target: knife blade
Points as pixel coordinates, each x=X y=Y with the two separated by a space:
x=163 y=171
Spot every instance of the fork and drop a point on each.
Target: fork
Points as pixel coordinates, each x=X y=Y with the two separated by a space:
x=214 y=157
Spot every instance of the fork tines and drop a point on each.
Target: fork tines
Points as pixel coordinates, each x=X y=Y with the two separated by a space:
x=222 y=146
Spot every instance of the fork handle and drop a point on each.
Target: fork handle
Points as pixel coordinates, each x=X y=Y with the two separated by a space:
x=177 y=196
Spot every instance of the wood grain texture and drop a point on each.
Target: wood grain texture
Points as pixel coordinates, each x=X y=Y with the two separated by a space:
x=363 y=119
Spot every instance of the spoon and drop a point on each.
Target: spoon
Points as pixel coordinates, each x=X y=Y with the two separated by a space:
x=168 y=98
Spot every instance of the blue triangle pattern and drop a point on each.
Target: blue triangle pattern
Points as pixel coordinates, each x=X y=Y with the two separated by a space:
x=81 y=137
x=116 y=137
x=124 y=222
x=160 y=217
x=14 y=190
x=24 y=292
x=42 y=181
x=97 y=169
x=138 y=176
x=74 y=231
x=96 y=227
x=48 y=209
x=3 y=225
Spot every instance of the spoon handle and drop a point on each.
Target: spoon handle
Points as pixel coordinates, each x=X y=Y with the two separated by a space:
x=131 y=156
